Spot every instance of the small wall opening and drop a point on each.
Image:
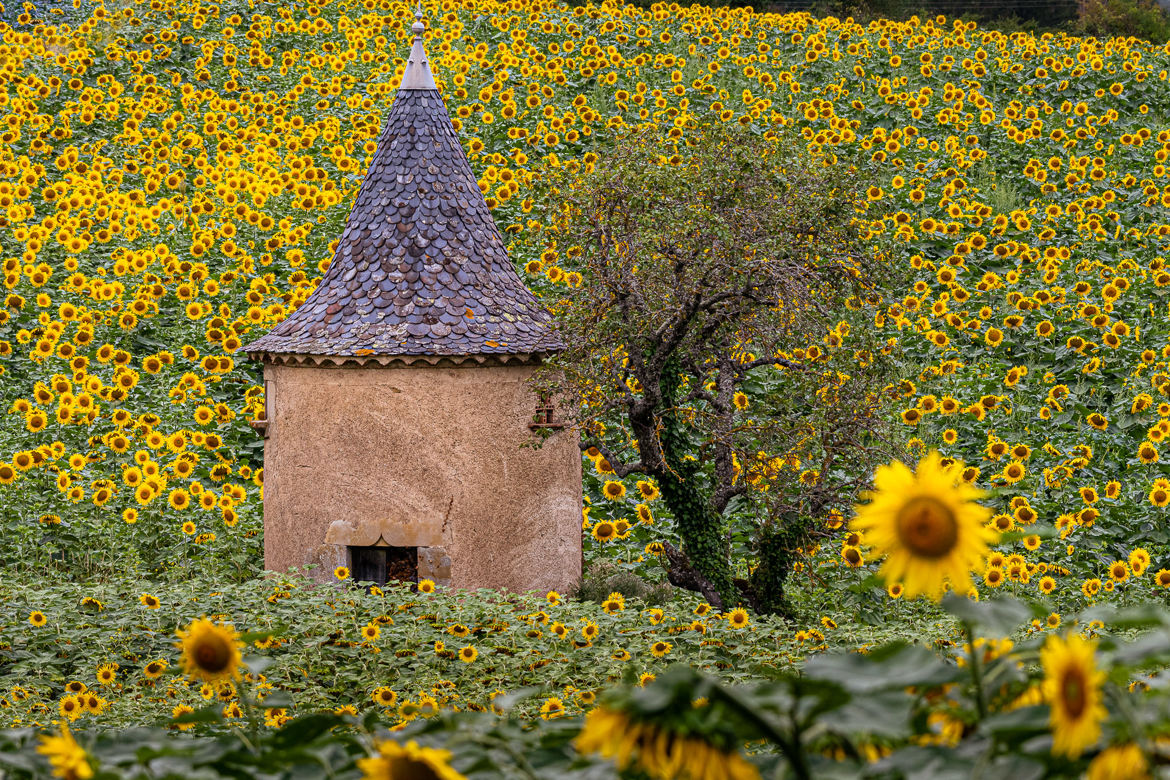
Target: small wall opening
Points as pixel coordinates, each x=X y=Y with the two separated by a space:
x=381 y=565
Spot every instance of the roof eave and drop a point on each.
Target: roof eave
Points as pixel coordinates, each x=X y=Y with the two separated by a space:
x=401 y=361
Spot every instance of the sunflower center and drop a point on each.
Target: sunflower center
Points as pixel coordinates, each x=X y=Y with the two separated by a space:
x=1072 y=693
x=213 y=655
x=406 y=768
x=927 y=527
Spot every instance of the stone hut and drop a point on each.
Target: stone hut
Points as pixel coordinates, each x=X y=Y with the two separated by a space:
x=398 y=414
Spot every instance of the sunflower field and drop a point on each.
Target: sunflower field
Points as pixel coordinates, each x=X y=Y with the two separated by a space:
x=172 y=177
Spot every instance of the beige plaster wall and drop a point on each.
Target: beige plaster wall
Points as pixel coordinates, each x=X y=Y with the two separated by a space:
x=420 y=456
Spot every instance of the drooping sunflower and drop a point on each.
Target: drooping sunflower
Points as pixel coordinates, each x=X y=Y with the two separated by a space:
x=1072 y=686
x=211 y=652
x=928 y=525
x=410 y=760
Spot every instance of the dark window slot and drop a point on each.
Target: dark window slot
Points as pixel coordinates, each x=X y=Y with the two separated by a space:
x=380 y=565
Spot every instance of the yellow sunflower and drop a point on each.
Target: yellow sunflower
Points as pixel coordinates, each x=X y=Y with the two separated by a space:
x=385 y=696
x=409 y=760
x=552 y=708
x=211 y=652
x=654 y=751
x=1120 y=762
x=67 y=758
x=613 y=490
x=928 y=526
x=738 y=618
x=1072 y=686
x=70 y=707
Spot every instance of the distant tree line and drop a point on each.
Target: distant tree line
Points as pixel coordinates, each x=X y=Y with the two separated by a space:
x=1043 y=13
x=1146 y=19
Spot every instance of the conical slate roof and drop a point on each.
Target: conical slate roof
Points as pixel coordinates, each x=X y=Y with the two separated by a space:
x=420 y=269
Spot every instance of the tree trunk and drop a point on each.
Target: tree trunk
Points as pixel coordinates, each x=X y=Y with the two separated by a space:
x=703 y=536
x=776 y=545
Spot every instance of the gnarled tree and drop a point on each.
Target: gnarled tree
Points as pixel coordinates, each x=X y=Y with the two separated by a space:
x=709 y=340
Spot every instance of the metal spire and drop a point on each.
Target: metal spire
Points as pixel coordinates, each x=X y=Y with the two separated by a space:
x=418 y=67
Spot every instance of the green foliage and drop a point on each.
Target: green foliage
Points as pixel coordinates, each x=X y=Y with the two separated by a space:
x=699 y=524
x=314 y=745
x=779 y=545
x=897 y=710
x=319 y=658
x=1143 y=19
x=602 y=577
x=713 y=341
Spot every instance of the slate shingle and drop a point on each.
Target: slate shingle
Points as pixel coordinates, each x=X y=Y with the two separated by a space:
x=420 y=268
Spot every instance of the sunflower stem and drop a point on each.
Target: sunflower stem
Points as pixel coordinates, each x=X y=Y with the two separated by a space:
x=976 y=671
x=249 y=712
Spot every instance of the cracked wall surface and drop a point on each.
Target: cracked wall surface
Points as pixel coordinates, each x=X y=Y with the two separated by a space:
x=420 y=457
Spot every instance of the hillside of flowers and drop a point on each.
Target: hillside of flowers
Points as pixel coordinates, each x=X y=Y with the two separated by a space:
x=173 y=175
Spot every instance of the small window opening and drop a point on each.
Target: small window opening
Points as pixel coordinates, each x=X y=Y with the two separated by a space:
x=381 y=565
x=545 y=416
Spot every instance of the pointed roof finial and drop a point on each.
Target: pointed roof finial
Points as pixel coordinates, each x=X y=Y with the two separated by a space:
x=418 y=67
